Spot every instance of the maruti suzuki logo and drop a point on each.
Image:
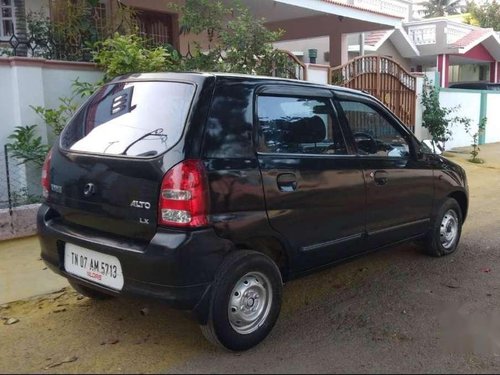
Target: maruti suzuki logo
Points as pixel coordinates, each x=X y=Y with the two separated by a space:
x=89 y=189
x=140 y=204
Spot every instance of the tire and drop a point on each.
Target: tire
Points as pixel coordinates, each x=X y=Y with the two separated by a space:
x=245 y=302
x=90 y=293
x=446 y=230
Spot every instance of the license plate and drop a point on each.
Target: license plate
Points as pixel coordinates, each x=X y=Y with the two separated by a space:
x=91 y=265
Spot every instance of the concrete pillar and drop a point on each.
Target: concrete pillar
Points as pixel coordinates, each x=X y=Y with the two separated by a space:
x=494 y=71
x=443 y=66
x=361 y=44
x=338 y=49
x=420 y=132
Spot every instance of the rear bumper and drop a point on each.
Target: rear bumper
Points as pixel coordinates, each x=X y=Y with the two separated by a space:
x=175 y=267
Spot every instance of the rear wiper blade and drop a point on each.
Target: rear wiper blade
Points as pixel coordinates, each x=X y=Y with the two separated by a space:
x=157 y=132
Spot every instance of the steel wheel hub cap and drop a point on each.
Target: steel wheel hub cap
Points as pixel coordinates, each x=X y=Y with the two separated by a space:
x=449 y=229
x=250 y=303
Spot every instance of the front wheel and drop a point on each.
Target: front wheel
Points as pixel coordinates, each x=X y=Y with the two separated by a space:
x=246 y=301
x=446 y=230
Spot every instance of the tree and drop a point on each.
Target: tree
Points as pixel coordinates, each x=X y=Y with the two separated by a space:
x=441 y=8
x=437 y=119
x=486 y=14
x=239 y=42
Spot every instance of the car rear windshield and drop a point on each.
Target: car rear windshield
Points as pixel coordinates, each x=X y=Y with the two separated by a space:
x=138 y=119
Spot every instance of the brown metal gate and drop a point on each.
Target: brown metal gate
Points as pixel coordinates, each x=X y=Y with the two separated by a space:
x=383 y=78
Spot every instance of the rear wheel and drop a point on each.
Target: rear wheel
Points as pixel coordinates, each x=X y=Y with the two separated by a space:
x=446 y=230
x=90 y=293
x=246 y=301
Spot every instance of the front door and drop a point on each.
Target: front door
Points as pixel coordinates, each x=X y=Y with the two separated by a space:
x=313 y=184
x=399 y=187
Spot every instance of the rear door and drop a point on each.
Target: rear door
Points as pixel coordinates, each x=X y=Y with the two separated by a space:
x=399 y=186
x=313 y=184
x=106 y=174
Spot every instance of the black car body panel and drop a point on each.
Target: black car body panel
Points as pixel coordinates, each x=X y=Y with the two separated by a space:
x=304 y=210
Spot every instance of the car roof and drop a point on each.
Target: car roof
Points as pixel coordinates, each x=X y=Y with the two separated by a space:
x=474 y=83
x=199 y=76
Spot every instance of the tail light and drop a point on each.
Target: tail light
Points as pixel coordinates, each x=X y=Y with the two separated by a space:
x=184 y=196
x=46 y=175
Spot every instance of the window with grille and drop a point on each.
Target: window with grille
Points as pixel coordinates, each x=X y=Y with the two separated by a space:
x=157 y=27
x=7 y=20
x=99 y=17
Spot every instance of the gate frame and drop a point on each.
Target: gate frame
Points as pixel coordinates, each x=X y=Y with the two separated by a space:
x=377 y=75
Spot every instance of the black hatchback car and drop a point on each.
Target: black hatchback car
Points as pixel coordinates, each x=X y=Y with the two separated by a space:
x=208 y=191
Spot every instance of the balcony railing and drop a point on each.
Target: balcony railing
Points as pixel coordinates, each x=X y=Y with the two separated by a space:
x=400 y=8
x=423 y=35
x=391 y=7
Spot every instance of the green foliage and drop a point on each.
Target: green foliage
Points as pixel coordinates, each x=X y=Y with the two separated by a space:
x=239 y=42
x=247 y=44
x=39 y=25
x=26 y=146
x=475 y=139
x=485 y=14
x=198 y=16
x=437 y=119
x=23 y=196
x=441 y=8
x=124 y=54
x=85 y=89
x=57 y=118
x=6 y=52
x=40 y=29
x=74 y=27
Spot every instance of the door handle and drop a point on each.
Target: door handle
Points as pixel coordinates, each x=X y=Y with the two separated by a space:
x=380 y=177
x=287 y=182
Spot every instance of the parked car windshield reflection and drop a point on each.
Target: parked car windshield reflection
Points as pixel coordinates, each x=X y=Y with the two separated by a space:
x=133 y=119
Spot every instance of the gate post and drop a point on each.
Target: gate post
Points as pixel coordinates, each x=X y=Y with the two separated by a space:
x=378 y=76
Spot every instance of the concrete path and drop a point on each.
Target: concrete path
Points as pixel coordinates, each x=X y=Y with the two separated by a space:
x=22 y=272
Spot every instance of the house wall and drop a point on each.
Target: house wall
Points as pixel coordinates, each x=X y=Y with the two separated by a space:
x=335 y=27
x=38 y=6
x=441 y=38
x=185 y=41
x=322 y=44
x=466 y=73
x=387 y=49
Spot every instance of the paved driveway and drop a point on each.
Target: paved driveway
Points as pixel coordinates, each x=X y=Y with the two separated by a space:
x=22 y=272
x=391 y=311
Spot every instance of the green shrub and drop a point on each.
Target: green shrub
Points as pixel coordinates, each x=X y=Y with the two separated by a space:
x=124 y=54
x=26 y=146
x=57 y=118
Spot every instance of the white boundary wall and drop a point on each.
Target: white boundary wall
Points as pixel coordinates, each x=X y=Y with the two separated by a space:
x=468 y=105
x=473 y=104
x=493 y=116
x=317 y=73
x=26 y=82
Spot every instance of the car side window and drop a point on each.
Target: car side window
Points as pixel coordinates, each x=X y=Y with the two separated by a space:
x=298 y=125
x=373 y=133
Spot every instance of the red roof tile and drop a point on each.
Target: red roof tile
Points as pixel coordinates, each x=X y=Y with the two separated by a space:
x=373 y=37
x=471 y=38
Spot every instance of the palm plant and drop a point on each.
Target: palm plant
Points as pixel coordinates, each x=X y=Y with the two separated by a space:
x=441 y=8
